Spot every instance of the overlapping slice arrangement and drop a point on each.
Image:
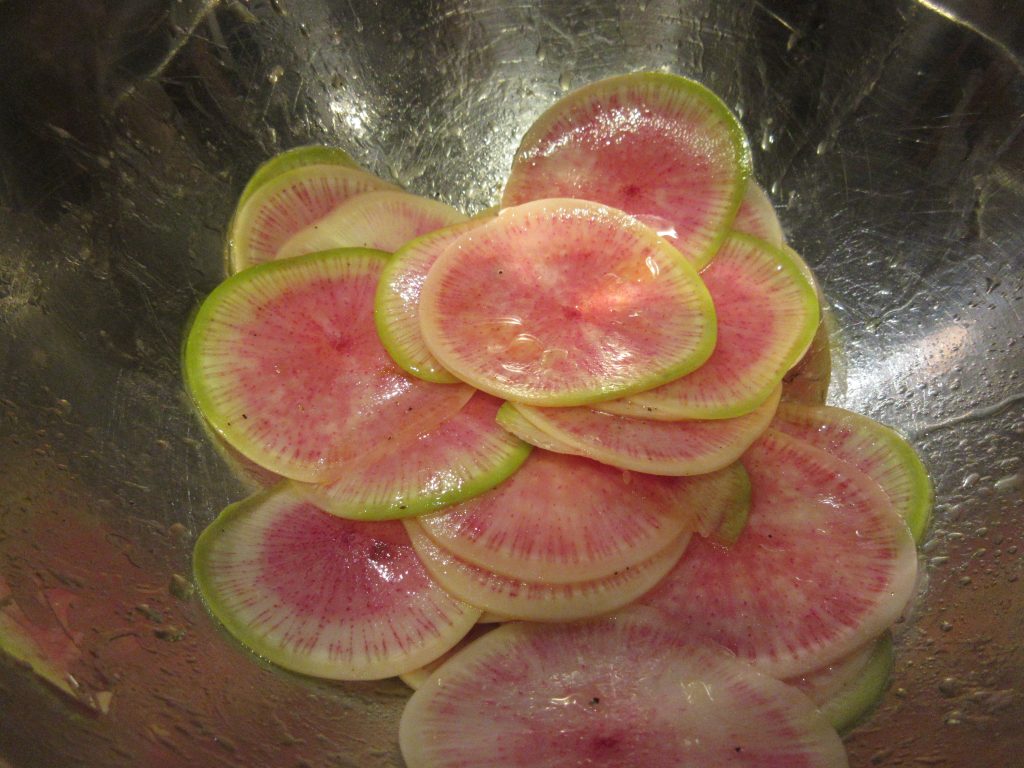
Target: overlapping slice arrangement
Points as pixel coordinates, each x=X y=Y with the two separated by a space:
x=527 y=416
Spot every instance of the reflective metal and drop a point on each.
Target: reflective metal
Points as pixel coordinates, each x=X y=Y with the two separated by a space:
x=889 y=133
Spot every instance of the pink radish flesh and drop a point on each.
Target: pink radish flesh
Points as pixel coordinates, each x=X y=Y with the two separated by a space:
x=823 y=565
x=621 y=693
x=756 y=216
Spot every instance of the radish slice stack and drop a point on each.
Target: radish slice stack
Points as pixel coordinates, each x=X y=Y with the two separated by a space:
x=525 y=417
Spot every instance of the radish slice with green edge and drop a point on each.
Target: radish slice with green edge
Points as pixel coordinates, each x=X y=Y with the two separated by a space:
x=397 y=307
x=808 y=381
x=565 y=302
x=847 y=690
x=322 y=595
x=519 y=599
x=287 y=203
x=563 y=518
x=660 y=147
x=284 y=362
x=876 y=450
x=621 y=692
x=756 y=216
x=767 y=315
x=823 y=565
x=289 y=160
x=384 y=221
x=645 y=445
x=462 y=457
x=416 y=677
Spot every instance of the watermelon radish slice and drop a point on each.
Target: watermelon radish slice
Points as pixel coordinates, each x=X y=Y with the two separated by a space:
x=767 y=315
x=397 y=307
x=660 y=147
x=538 y=600
x=645 y=445
x=416 y=677
x=563 y=518
x=288 y=202
x=823 y=565
x=297 y=157
x=756 y=216
x=847 y=690
x=565 y=302
x=322 y=595
x=284 y=362
x=873 y=448
x=462 y=457
x=808 y=381
x=384 y=221
x=623 y=692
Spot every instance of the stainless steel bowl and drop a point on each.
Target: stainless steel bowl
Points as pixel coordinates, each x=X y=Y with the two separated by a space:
x=889 y=134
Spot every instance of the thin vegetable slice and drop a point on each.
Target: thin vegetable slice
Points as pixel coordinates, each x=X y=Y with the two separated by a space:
x=823 y=566
x=767 y=315
x=288 y=202
x=397 y=307
x=462 y=457
x=645 y=445
x=416 y=677
x=565 y=302
x=322 y=595
x=533 y=600
x=284 y=362
x=623 y=692
x=384 y=221
x=563 y=518
x=660 y=147
x=756 y=216
x=873 y=448
x=289 y=160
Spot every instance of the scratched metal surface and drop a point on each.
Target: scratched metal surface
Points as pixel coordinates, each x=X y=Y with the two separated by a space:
x=889 y=134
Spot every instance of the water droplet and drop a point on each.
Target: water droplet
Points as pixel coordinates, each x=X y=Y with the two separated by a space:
x=275 y=74
x=565 y=80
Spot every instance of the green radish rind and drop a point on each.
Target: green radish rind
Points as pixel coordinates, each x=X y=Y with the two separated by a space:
x=733 y=507
x=600 y=306
x=696 y=396
x=847 y=691
x=645 y=90
x=214 y=336
x=465 y=456
x=290 y=159
x=644 y=445
x=875 y=449
x=396 y=308
x=244 y=569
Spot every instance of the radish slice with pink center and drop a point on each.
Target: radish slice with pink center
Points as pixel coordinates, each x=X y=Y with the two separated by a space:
x=660 y=147
x=565 y=302
x=623 y=692
x=767 y=315
x=284 y=361
x=416 y=677
x=873 y=448
x=288 y=202
x=644 y=445
x=384 y=221
x=756 y=216
x=824 y=565
x=462 y=457
x=537 y=600
x=397 y=306
x=563 y=518
x=321 y=595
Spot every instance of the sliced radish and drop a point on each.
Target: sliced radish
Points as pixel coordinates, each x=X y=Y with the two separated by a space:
x=280 y=207
x=657 y=146
x=462 y=457
x=537 y=600
x=397 y=307
x=808 y=381
x=563 y=518
x=756 y=216
x=565 y=302
x=284 y=361
x=824 y=565
x=848 y=689
x=321 y=595
x=416 y=677
x=620 y=693
x=383 y=220
x=645 y=445
x=289 y=160
x=767 y=315
x=873 y=448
